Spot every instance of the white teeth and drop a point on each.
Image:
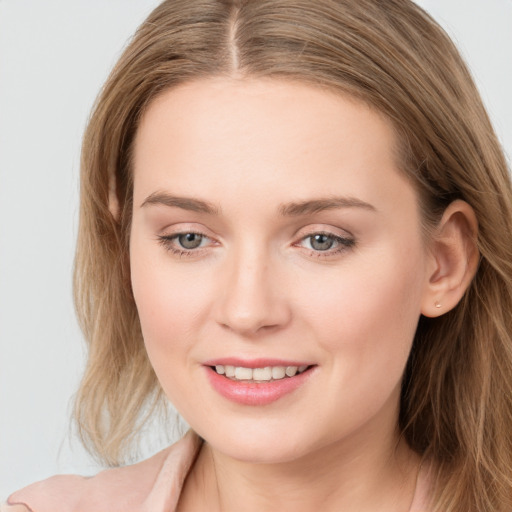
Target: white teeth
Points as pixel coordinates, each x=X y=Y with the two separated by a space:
x=291 y=370
x=259 y=374
x=278 y=372
x=262 y=373
x=242 y=373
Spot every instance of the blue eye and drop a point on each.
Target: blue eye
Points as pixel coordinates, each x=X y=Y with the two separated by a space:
x=189 y=240
x=321 y=242
x=184 y=244
x=326 y=243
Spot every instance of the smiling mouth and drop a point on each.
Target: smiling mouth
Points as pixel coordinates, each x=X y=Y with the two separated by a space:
x=259 y=375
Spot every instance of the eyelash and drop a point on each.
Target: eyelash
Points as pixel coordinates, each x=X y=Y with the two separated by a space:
x=168 y=243
x=343 y=244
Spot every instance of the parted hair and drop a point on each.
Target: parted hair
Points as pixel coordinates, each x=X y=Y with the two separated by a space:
x=456 y=400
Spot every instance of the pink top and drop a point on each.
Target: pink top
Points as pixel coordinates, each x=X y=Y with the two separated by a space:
x=153 y=485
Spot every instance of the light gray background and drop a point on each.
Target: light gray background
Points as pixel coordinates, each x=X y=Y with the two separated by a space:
x=54 y=56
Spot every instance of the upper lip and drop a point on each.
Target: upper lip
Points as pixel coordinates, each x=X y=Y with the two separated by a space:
x=254 y=363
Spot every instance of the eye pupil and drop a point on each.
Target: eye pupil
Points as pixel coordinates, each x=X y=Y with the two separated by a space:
x=321 y=242
x=190 y=240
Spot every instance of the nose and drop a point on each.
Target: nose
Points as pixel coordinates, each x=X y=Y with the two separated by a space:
x=253 y=298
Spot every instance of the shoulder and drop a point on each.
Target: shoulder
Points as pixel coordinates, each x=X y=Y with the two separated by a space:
x=13 y=508
x=153 y=484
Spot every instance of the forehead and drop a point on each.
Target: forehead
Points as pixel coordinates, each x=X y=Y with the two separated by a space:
x=259 y=133
x=229 y=106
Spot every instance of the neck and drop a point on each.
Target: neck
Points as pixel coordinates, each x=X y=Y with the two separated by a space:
x=355 y=486
x=372 y=471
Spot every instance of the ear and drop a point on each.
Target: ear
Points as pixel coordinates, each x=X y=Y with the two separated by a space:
x=113 y=201
x=453 y=260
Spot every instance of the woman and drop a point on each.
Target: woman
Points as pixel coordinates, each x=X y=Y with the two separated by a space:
x=296 y=224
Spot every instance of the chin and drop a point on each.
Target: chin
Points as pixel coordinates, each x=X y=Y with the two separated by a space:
x=261 y=453
x=260 y=444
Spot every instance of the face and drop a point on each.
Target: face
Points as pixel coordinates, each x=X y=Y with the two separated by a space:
x=277 y=264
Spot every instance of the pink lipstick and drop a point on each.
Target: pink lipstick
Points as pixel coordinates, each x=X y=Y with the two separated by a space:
x=258 y=381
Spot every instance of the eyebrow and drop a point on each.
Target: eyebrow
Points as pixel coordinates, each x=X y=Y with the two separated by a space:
x=292 y=209
x=185 y=203
x=296 y=209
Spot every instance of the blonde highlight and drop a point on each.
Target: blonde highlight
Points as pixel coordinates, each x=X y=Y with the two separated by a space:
x=456 y=406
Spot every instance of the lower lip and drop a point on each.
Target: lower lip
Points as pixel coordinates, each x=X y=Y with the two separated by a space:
x=251 y=393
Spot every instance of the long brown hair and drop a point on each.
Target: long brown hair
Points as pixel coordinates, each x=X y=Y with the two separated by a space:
x=456 y=403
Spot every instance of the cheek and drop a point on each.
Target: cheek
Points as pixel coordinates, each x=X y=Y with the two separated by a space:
x=365 y=317
x=168 y=309
x=168 y=303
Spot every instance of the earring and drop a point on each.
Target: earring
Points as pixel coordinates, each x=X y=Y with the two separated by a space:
x=437 y=305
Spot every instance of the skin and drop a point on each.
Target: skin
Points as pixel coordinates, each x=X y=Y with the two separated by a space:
x=256 y=287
